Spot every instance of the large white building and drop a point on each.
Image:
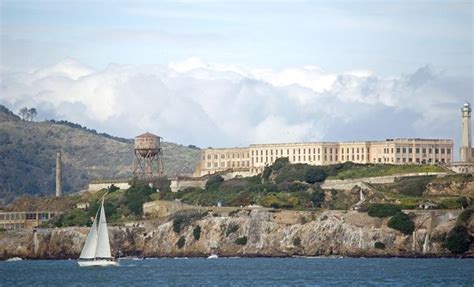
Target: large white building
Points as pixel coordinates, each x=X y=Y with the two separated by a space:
x=247 y=161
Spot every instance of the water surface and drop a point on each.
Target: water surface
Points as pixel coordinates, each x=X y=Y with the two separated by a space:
x=243 y=271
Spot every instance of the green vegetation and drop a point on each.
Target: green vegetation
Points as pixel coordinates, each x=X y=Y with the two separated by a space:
x=297 y=241
x=214 y=182
x=458 y=240
x=379 y=245
x=413 y=186
x=181 y=242
x=136 y=195
x=241 y=240
x=372 y=170
x=383 y=210
x=232 y=228
x=74 y=217
x=464 y=217
x=29 y=148
x=181 y=220
x=401 y=222
x=197 y=232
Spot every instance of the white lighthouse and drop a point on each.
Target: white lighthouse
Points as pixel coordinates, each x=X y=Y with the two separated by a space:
x=465 y=151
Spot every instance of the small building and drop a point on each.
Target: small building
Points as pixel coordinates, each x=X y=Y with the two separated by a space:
x=28 y=219
x=82 y=205
x=428 y=205
x=97 y=185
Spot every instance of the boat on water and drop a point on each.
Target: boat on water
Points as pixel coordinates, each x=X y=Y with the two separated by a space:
x=96 y=250
x=14 y=259
x=213 y=256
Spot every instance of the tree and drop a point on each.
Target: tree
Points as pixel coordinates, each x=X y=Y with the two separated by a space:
x=401 y=222
x=32 y=113
x=24 y=113
x=458 y=240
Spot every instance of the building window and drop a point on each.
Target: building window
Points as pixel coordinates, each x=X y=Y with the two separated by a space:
x=448 y=151
x=404 y=150
x=410 y=150
x=398 y=150
x=442 y=151
x=436 y=151
x=424 y=150
x=417 y=150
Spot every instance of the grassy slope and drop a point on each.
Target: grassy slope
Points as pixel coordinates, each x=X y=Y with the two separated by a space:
x=28 y=150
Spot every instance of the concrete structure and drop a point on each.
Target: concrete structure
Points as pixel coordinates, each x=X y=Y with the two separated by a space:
x=97 y=185
x=148 y=156
x=252 y=160
x=466 y=152
x=28 y=219
x=59 y=191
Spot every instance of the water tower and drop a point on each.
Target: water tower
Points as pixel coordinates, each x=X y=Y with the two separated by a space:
x=148 y=153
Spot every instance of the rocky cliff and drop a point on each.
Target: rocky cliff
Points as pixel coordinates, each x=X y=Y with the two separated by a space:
x=267 y=233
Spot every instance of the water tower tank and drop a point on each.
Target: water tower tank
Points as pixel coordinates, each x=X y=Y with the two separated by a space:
x=147 y=144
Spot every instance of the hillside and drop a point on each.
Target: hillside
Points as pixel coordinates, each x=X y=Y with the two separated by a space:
x=28 y=150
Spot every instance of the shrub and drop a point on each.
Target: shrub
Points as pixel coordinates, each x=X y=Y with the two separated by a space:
x=181 y=242
x=214 y=182
x=297 y=241
x=314 y=174
x=74 y=217
x=401 y=222
x=267 y=171
x=182 y=220
x=197 y=232
x=379 y=245
x=177 y=224
x=383 y=210
x=136 y=196
x=241 y=240
x=458 y=240
x=317 y=197
x=113 y=188
x=233 y=227
x=464 y=217
x=413 y=186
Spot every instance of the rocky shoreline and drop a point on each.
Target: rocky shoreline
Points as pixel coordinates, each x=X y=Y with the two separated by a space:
x=249 y=233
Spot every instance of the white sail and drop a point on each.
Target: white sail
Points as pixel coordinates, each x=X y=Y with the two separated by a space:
x=88 y=251
x=103 y=245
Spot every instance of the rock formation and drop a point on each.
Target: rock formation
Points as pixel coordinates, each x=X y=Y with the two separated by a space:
x=268 y=233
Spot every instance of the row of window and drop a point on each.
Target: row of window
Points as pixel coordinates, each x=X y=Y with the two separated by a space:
x=423 y=150
x=314 y=151
x=229 y=164
x=223 y=156
x=25 y=216
x=10 y=226
x=305 y=151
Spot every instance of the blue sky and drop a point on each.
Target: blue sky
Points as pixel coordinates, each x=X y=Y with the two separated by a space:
x=220 y=73
x=387 y=37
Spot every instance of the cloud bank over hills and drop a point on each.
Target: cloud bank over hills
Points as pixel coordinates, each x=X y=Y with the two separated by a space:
x=209 y=104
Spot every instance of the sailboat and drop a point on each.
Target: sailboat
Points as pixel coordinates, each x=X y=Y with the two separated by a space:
x=96 y=250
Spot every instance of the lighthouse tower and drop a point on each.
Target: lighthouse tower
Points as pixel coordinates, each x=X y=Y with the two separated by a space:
x=465 y=151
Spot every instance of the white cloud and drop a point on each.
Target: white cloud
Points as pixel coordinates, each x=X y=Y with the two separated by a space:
x=194 y=102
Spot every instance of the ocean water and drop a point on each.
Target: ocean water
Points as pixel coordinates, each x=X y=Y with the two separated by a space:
x=243 y=271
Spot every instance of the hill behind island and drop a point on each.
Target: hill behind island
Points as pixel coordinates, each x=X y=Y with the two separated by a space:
x=28 y=150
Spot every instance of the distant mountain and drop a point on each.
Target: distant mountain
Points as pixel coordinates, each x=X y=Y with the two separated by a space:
x=28 y=152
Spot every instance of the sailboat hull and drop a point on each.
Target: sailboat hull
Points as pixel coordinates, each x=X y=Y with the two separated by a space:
x=99 y=262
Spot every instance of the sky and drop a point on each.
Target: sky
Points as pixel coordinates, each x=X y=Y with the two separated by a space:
x=221 y=73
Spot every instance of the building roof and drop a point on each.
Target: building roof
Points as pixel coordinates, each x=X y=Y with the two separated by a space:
x=147 y=135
